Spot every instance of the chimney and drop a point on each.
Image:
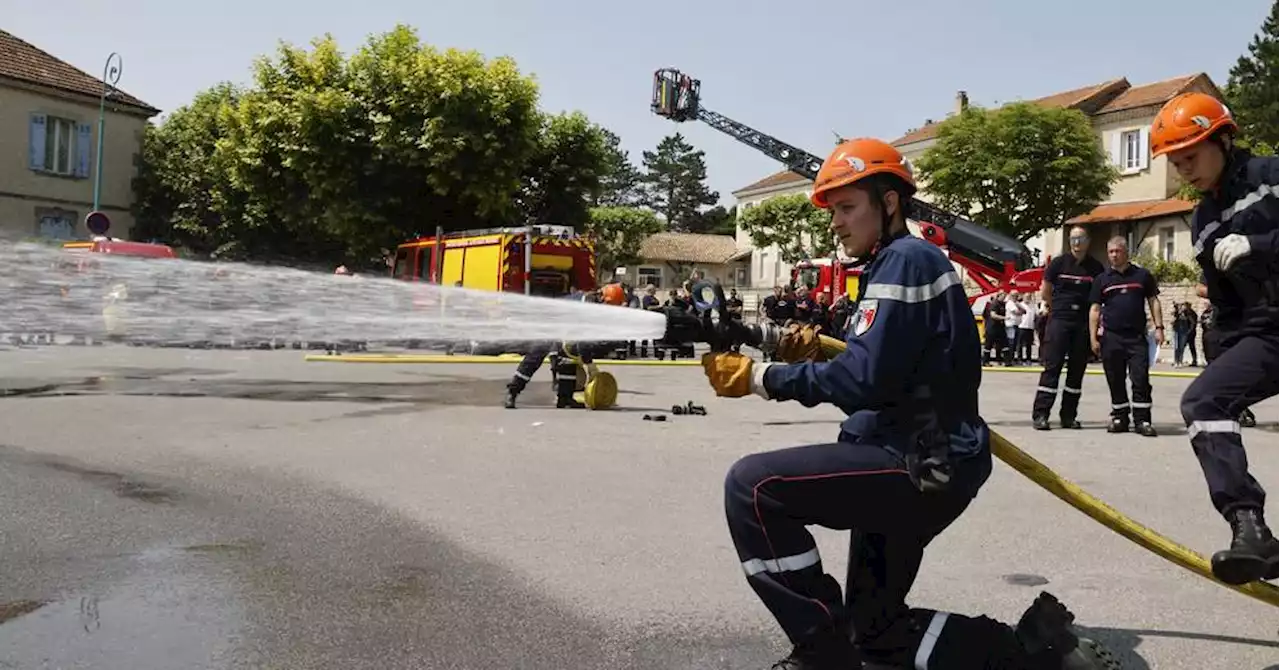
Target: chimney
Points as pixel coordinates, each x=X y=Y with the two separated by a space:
x=962 y=101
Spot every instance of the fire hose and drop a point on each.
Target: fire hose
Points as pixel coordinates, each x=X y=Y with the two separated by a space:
x=712 y=324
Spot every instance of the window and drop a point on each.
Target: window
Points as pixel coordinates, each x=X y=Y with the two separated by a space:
x=1130 y=150
x=59 y=146
x=1166 y=243
x=646 y=276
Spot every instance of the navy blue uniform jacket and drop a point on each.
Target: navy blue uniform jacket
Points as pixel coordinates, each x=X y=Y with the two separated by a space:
x=1244 y=298
x=913 y=363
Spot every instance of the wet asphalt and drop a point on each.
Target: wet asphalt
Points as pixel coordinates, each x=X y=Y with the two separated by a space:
x=164 y=509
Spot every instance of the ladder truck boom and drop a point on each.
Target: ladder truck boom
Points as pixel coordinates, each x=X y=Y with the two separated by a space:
x=991 y=258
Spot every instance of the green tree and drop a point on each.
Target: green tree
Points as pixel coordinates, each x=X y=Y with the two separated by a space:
x=392 y=142
x=564 y=176
x=799 y=229
x=620 y=184
x=181 y=192
x=1018 y=169
x=329 y=157
x=715 y=221
x=675 y=182
x=1251 y=90
x=618 y=232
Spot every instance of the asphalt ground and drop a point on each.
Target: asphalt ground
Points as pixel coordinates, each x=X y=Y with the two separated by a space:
x=228 y=509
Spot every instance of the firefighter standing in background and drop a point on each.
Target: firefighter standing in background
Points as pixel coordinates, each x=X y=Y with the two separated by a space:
x=1234 y=227
x=1065 y=289
x=910 y=456
x=564 y=368
x=734 y=304
x=1120 y=298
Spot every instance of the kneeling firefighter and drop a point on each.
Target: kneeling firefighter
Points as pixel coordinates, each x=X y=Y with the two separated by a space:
x=565 y=356
x=909 y=458
x=1235 y=230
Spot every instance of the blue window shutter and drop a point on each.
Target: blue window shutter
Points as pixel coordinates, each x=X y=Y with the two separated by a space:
x=38 y=130
x=84 y=148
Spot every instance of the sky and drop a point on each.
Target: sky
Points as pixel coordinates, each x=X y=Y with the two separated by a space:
x=801 y=73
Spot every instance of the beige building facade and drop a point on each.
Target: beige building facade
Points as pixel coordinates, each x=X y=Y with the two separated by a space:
x=49 y=138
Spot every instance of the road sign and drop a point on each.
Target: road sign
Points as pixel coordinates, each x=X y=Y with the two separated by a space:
x=97 y=223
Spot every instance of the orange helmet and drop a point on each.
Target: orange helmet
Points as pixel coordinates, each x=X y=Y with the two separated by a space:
x=1187 y=119
x=613 y=294
x=857 y=159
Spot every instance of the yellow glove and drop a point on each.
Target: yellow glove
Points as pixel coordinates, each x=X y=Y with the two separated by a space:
x=592 y=369
x=729 y=373
x=801 y=343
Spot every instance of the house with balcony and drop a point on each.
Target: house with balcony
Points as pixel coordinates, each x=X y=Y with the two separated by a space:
x=49 y=141
x=1141 y=207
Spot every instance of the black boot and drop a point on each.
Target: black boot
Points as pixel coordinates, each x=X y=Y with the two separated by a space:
x=828 y=651
x=1145 y=429
x=1040 y=422
x=1252 y=555
x=1047 y=635
x=514 y=387
x=1118 y=425
x=1247 y=419
x=1071 y=423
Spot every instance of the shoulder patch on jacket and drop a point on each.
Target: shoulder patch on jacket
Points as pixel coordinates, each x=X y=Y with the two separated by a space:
x=865 y=316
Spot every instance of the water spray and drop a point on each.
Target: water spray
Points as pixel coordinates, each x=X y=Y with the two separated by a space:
x=168 y=300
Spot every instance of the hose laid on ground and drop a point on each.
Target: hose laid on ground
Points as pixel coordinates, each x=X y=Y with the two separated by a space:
x=1099 y=511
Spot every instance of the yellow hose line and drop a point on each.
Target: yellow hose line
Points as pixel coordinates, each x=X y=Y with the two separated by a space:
x=1102 y=513
x=1093 y=371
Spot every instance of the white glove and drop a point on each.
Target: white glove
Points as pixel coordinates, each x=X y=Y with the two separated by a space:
x=1230 y=249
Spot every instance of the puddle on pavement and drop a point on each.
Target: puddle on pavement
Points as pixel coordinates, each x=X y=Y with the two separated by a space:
x=176 y=610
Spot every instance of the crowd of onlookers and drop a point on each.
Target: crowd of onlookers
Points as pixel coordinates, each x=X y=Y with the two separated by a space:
x=1013 y=324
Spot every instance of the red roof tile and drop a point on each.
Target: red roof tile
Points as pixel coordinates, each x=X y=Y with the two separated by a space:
x=1134 y=211
x=689 y=248
x=1157 y=93
x=1087 y=98
x=25 y=62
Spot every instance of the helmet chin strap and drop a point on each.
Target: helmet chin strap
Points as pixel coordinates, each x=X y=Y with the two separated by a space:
x=886 y=234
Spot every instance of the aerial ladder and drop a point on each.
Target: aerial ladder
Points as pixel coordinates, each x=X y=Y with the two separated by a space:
x=994 y=261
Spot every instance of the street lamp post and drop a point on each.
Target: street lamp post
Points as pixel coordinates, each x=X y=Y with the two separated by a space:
x=110 y=77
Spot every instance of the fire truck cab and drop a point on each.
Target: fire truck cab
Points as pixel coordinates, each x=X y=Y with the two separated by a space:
x=494 y=260
x=825 y=275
